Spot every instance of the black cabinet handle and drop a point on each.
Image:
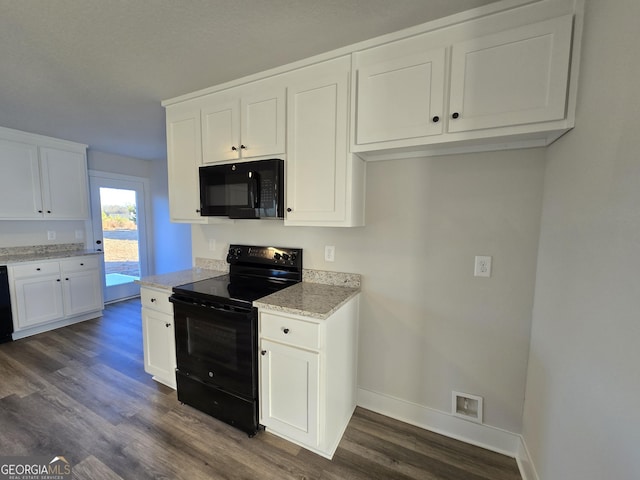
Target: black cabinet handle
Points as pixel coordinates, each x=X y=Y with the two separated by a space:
x=288 y=209
x=242 y=147
x=98 y=242
x=67 y=279
x=167 y=325
x=38 y=269
x=436 y=119
x=285 y=330
x=233 y=148
x=263 y=352
x=57 y=280
x=39 y=211
x=455 y=115
x=198 y=211
x=48 y=211
x=153 y=300
x=82 y=264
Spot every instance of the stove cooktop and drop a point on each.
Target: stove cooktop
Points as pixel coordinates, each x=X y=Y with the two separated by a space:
x=231 y=289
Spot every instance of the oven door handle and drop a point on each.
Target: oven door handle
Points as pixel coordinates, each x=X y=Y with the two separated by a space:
x=210 y=305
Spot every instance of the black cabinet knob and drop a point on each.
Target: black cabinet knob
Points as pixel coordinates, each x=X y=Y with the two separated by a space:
x=455 y=115
x=67 y=279
x=39 y=211
x=285 y=330
x=38 y=269
x=436 y=119
x=233 y=147
x=58 y=280
x=288 y=209
x=198 y=211
x=98 y=242
x=82 y=264
x=48 y=211
x=242 y=147
x=263 y=352
x=167 y=325
x=153 y=300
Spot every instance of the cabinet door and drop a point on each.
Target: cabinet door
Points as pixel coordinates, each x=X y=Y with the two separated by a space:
x=511 y=78
x=289 y=391
x=401 y=99
x=184 y=156
x=64 y=184
x=263 y=124
x=220 y=130
x=159 y=346
x=82 y=292
x=20 y=195
x=39 y=300
x=317 y=111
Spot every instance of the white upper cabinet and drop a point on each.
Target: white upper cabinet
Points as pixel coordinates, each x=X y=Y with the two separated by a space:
x=243 y=122
x=42 y=178
x=64 y=184
x=324 y=182
x=184 y=156
x=494 y=82
x=511 y=78
x=20 y=193
x=401 y=98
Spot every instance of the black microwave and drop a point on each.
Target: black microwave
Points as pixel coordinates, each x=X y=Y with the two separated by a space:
x=243 y=190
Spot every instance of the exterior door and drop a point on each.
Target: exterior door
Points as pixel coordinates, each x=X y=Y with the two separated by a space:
x=118 y=214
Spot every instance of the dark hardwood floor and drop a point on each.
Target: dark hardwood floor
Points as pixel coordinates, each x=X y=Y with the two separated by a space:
x=81 y=392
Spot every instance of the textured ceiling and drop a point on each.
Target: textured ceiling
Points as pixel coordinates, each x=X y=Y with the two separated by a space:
x=95 y=71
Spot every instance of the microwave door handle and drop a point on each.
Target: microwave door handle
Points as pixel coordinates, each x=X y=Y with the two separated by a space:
x=254 y=191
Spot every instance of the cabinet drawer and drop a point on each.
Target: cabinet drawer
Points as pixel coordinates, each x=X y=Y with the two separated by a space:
x=36 y=269
x=79 y=264
x=156 y=300
x=289 y=330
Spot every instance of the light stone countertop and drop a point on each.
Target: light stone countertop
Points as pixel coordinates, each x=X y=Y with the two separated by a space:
x=45 y=255
x=167 y=281
x=317 y=296
x=313 y=300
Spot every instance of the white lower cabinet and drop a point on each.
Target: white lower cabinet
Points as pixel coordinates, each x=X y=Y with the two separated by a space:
x=54 y=293
x=308 y=376
x=158 y=334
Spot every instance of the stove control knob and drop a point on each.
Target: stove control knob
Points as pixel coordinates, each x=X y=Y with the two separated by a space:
x=277 y=256
x=293 y=257
x=285 y=256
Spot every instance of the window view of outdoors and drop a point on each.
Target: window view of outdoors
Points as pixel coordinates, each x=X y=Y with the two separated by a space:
x=120 y=235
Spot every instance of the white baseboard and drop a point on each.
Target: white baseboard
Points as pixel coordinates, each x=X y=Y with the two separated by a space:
x=525 y=463
x=485 y=436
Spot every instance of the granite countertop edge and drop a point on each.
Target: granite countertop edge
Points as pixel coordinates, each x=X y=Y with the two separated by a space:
x=307 y=299
x=319 y=303
x=166 y=281
x=34 y=257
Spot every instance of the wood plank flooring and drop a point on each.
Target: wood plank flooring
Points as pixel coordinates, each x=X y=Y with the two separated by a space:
x=81 y=392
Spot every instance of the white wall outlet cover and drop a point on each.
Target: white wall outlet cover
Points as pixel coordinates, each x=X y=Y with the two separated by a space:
x=329 y=253
x=212 y=244
x=79 y=235
x=51 y=235
x=482 y=266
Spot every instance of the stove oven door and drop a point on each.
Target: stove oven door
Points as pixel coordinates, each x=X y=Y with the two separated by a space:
x=216 y=345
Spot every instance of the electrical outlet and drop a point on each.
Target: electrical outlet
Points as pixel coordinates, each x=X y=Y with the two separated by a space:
x=329 y=253
x=79 y=235
x=212 y=244
x=482 y=266
x=51 y=235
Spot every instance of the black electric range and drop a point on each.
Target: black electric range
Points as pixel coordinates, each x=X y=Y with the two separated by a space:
x=216 y=331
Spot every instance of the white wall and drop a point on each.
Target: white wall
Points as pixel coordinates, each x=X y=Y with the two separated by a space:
x=21 y=233
x=581 y=418
x=427 y=325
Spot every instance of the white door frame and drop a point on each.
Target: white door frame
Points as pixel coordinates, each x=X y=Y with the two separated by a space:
x=145 y=247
